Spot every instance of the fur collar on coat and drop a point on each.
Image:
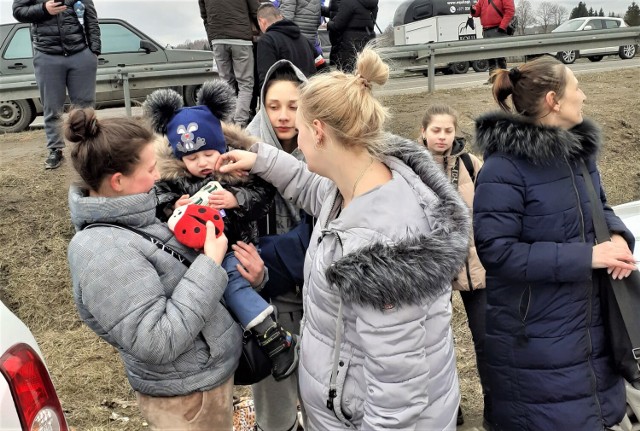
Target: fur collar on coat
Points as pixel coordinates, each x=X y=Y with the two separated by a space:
x=542 y=145
x=171 y=168
x=421 y=266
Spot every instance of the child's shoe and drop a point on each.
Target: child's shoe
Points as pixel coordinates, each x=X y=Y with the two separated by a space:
x=280 y=346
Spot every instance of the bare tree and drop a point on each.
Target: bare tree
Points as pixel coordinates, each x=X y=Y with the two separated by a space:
x=525 y=14
x=545 y=16
x=560 y=14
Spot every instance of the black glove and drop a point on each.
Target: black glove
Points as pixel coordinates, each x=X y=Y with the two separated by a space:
x=502 y=30
x=471 y=23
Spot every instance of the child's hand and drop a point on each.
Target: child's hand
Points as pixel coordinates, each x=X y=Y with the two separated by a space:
x=215 y=248
x=223 y=199
x=183 y=200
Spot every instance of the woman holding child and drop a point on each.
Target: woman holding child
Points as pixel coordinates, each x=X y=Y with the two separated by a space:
x=391 y=234
x=143 y=300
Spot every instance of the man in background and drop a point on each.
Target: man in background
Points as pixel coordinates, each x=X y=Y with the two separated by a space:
x=228 y=26
x=495 y=16
x=282 y=40
x=66 y=42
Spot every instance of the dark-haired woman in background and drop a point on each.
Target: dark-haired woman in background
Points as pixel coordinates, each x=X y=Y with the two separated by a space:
x=140 y=299
x=550 y=367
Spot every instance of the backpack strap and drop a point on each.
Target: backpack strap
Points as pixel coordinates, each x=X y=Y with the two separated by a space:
x=468 y=164
x=496 y=8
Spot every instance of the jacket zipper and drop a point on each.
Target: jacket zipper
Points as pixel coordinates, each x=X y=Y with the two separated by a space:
x=575 y=189
x=594 y=384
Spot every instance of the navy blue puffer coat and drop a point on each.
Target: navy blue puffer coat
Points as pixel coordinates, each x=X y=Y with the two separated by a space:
x=550 y=366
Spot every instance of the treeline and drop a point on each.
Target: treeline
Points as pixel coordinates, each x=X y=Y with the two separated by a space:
x=631 y=16
x=548 y=15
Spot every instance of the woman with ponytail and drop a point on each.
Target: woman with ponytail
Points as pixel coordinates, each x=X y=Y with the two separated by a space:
x=391 y=233
x=549 y=363
x=139 y=296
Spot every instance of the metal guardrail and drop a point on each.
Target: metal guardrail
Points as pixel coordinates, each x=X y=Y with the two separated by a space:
x=480 y=49
x=120 y=77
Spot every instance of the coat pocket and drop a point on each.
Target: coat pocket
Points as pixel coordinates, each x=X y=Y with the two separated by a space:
x=346 y=402
x=525 y=302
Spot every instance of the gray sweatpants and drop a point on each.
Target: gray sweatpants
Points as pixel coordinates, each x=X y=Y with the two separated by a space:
x=54 y=75
x=235 y=65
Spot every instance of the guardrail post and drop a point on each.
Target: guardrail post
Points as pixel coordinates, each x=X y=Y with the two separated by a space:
x=127 y=93
x=432 y=72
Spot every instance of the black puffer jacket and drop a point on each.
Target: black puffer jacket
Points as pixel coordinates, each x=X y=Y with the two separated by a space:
x=60 y=34
x=254 y=195
x=354 y=16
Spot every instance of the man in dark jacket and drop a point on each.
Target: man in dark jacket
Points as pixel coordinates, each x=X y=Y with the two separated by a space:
x=228 y=25
x=66 y=42
x=282 y=40
x=352 y=27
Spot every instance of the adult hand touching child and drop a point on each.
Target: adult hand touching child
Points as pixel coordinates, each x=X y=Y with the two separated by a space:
x=236 y=162
x=615 y=256
x=251 y=265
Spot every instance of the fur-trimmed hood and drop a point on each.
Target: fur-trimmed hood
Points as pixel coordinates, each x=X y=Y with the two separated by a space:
x=422 y=265
x=171 y=168
x=518 y=136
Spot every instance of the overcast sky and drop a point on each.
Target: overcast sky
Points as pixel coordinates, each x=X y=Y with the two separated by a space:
x=174 y=21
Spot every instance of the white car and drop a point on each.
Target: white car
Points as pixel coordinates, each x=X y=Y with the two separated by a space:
x=629 y=213
x=596 y=54
x=28 y=400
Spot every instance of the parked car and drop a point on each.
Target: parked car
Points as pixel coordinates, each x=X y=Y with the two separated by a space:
x=596 y=54
x=122 y=44
x=629 y=213
x=28 y=400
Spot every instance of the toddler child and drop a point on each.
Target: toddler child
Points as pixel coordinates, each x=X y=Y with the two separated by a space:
x=196 y=138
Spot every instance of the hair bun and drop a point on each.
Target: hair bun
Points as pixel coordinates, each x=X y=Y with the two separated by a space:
x=82 y=125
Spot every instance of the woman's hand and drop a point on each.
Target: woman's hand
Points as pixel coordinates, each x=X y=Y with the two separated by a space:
x=215 y=248
x=615 y=256
x=616 y=271
x=236 y=162
x=223 y=199
x=183 y=200
x=251 y=265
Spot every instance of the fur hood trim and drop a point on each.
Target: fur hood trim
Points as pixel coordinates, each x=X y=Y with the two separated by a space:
x=421 y=266
x=516 y=135
x=171 y=168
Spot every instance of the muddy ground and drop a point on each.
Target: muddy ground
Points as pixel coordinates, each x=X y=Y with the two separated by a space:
x=35 y=231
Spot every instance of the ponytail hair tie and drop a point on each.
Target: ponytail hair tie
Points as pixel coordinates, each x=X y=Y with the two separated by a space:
x=514 y=75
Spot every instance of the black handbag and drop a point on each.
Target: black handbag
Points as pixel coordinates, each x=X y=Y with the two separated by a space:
x=255 y=364
x=620 y=300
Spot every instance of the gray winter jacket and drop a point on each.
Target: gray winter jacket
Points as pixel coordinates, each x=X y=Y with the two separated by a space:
x=147 y=304
x=389 y=258
x=306 y=15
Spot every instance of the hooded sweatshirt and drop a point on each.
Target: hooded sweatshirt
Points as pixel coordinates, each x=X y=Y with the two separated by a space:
x=283 y=214
x=283 y=41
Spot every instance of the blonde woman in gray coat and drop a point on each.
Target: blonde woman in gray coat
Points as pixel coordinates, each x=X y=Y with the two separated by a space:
x=377 y=349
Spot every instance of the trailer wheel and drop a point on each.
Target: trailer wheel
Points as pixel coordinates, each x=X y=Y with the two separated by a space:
x=191 y=94
x=460 y=67
x=480 y=65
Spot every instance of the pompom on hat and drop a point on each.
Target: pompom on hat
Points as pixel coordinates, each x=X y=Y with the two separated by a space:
x=196 y=128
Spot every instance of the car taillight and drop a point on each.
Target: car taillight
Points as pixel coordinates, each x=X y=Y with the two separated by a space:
x=33 y=393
